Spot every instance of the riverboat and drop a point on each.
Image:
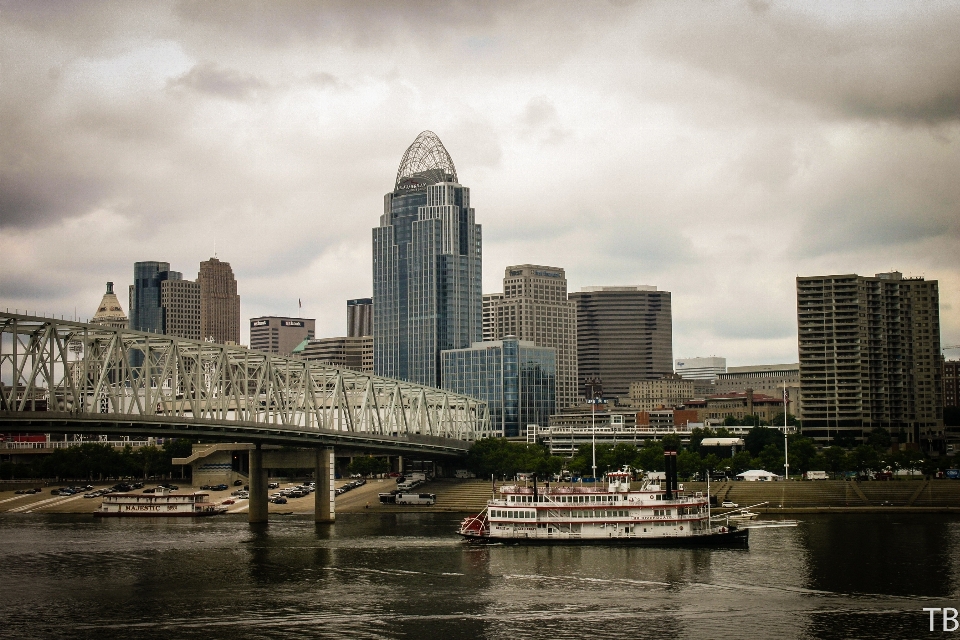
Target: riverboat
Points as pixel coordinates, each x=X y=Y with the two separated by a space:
x=162 y=503
x=655 y=514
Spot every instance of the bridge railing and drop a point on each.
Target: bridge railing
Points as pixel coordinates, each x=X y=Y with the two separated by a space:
x=56 y=365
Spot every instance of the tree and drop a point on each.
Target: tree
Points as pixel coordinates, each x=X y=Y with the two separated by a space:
x=697 y=435
x=759 y=437
x=741 y=462
x=879 y=438
x=862 y=459
x=801 y=451
x=688 y=463
x=771 y=458
x=836 y=459
x=368 y=465
x=650 y=457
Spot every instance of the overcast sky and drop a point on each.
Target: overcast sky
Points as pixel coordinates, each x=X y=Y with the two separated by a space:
x=715 y=150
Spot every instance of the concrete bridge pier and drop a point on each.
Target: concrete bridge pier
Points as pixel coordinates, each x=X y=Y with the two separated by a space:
x=324 y=496
x=258 y=486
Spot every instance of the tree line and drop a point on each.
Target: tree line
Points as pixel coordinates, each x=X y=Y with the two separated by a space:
x=763 y=449
x=100 y=461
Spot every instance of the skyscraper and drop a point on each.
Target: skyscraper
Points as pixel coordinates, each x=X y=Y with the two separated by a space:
x=180 y=302
x=534 y=307
x=219 y=302
x=624 y=334
x=146 y=311
x=870 y=357
x=426 y=267
x=359 y=317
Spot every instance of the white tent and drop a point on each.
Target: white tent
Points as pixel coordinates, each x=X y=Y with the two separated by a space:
x=754 y=475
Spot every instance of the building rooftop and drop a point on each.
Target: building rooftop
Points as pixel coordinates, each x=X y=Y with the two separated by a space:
x=425 y=162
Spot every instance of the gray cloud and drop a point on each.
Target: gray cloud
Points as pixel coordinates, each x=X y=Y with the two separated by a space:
x=208 y=77
x=715 y=151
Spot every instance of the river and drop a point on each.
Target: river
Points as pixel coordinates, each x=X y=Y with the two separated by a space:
x=409 y=576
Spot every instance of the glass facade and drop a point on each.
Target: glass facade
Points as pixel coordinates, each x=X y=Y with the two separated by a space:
x=426 y=273
x=517 y=380
x=146 y=305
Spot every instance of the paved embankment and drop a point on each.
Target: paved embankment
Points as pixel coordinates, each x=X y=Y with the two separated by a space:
x=465 y=496
x=839 y=495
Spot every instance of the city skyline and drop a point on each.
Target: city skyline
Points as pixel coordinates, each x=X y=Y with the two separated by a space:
x=786 y=141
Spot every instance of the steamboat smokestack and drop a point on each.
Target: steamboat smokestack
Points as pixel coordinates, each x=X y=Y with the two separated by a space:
x=670 y=470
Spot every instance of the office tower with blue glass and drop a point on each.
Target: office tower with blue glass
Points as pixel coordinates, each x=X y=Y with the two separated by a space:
x=516 y=378
x=426 y=267
x=146 y=303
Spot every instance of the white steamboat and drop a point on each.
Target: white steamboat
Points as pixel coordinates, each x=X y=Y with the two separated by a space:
x=162 y=503
x=654 y=514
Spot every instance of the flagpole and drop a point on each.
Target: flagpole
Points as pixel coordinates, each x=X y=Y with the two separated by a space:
x=786 y=460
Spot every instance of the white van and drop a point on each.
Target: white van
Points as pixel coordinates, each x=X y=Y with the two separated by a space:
x=416 y=498
x=464 y=474
x=815 y=475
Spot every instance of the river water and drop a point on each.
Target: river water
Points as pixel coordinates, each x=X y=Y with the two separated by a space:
x=409 y=576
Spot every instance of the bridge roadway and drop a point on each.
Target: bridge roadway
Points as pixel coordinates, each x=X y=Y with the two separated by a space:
x=59 y=376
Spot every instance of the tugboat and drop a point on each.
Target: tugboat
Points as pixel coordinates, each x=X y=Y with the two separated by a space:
x=656 y=514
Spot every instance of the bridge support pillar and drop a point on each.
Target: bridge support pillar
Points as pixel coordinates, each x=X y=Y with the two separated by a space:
x=324 y=473
x=258 y=486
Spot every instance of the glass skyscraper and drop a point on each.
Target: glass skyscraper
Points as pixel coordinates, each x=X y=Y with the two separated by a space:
x=426 y=267
x=146 y=306
x=516 y=378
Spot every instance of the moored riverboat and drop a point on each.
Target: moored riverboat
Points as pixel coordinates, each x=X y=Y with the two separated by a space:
x=162 y=503
x=655 y=514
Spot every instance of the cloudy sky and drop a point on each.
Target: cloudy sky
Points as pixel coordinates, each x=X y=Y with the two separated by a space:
x=715 y=150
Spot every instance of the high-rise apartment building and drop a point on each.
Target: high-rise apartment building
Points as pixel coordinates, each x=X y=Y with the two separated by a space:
x=426 y=267
x=219 y=302
x=280 y=335
x=516 y=378
x=624 y=334
x=700 y=368
x=110 y=313
x=180 y=300
x=359 y=317
x=146 y=312
x=534 y=307
x=870 y=357
x=490 y=301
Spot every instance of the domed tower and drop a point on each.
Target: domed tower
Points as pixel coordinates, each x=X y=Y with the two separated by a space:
x=426 y=267
x=110 y=313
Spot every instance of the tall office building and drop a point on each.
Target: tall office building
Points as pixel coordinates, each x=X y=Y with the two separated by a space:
x=359 y=317
x=146 y=311
x=516 y=378
x=110 y=313
x=219 y=302
x=180 y=302
x=870 y=357
x=426 y=267
x=534 y=307
x=700 y=368
x=280 y=335
x=624 y=334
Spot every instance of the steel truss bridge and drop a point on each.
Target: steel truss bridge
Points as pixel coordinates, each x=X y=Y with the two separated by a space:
x=59 y=376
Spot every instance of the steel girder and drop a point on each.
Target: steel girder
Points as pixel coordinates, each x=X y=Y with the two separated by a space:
x=89 y=370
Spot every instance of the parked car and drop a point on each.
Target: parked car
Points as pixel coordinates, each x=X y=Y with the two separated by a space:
x=238 y=483
x=220 y=487
x=279 y=500
x=273 y=485
x=726 y=504
x=151 y=490
x=229 y=501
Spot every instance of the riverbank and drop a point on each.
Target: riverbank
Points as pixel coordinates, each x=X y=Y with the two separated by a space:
x=466 y=496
